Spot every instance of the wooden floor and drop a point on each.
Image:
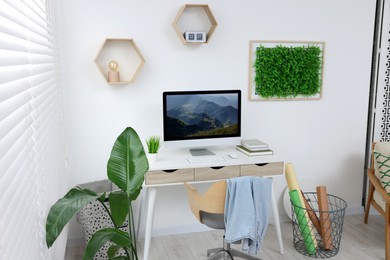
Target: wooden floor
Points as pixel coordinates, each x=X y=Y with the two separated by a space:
x=359 y=241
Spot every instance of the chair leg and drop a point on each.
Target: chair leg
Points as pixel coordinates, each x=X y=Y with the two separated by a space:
x=219 y=255
x=214 y=251
x=233 y=252
x=227 y=251
x=368 y=204
x=387 y=232
x=243 y=255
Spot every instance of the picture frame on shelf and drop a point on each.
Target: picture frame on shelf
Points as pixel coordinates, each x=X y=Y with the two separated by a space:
x=285 y=70
x=195 y=36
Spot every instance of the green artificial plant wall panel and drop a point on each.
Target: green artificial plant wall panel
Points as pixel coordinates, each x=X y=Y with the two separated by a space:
x=285 y=70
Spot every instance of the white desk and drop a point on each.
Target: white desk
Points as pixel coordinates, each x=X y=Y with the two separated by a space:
x=172 y=168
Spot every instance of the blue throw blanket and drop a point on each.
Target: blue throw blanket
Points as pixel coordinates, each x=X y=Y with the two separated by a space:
x=247 y=211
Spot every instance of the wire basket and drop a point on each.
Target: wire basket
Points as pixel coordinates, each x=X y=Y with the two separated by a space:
x=318 y=233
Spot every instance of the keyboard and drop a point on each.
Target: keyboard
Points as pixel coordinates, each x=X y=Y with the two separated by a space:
x=205 y=159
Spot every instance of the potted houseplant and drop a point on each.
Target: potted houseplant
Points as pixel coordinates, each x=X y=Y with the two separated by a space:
x=126 y=168
x=153 y=143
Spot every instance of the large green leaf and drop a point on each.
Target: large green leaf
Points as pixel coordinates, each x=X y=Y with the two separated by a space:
x=119 y=206
x=113 y=250
x=102 y=236
x=128 y=164
x=64 y=209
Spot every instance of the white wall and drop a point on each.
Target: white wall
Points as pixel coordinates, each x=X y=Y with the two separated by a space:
x=324 y=139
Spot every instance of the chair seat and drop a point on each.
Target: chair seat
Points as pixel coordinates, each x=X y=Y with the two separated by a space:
x=213 y=220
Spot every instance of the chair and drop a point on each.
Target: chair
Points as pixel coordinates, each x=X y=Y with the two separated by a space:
x=209 y=210
x=377 y=195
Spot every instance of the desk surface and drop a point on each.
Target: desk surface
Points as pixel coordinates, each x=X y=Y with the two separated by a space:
x=173 y=168
x=177 y=159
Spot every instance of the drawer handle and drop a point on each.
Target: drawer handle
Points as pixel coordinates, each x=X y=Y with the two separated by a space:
x=217 y=167
x=261 y=164
x=169 y=171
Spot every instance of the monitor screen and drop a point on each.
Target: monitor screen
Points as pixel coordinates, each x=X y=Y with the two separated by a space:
x=194 y=115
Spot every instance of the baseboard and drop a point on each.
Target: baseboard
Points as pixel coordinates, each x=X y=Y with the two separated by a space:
x=354 y=210
x=360 y=210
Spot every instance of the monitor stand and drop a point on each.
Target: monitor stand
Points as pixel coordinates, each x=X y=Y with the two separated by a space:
x=201 y=152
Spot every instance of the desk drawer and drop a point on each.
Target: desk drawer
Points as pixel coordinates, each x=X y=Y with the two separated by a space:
x=264 y=169
x=216 y=173
x=169 y=176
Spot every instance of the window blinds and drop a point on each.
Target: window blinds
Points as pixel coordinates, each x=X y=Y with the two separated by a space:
x=31 y=130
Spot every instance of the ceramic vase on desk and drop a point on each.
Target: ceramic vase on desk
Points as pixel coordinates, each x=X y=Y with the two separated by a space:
x=152 y=157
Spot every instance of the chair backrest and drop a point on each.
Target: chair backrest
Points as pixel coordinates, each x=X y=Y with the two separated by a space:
x=212 y=201
x=382 y=148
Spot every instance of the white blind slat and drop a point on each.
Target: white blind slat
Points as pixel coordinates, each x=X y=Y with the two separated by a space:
x=8 y=27
x=9 y=124
x=10 y=105
x=10 y=74
x=14 y=140
x=19 y=174
x=41 y=89
x=15 y=172
x=12 y=46
x=11 y=89
x=13 y=58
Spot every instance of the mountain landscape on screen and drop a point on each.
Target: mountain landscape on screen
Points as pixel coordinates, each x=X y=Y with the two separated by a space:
x=202 y=115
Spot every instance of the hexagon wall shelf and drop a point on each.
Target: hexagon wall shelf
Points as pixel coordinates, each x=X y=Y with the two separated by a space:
x=126 y=53
x=192 y=16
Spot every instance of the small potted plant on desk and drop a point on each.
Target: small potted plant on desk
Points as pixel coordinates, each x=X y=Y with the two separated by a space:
x=153 y=143
x=126 y=168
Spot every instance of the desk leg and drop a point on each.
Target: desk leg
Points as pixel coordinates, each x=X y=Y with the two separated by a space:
x=275 y=212
x=149 y=220
x=141 y=211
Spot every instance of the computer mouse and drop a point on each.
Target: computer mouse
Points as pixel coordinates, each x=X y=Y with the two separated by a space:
x=233 y=155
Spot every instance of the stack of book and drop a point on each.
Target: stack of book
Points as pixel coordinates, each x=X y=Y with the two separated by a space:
x=253 y=147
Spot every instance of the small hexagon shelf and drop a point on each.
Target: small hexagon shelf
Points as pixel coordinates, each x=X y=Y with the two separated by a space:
x=196 y=17
x=127 y=55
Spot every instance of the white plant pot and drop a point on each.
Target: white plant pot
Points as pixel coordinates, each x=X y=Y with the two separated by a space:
x=152 y=157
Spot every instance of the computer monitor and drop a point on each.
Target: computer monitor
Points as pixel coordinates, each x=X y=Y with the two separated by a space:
x=198 y=119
